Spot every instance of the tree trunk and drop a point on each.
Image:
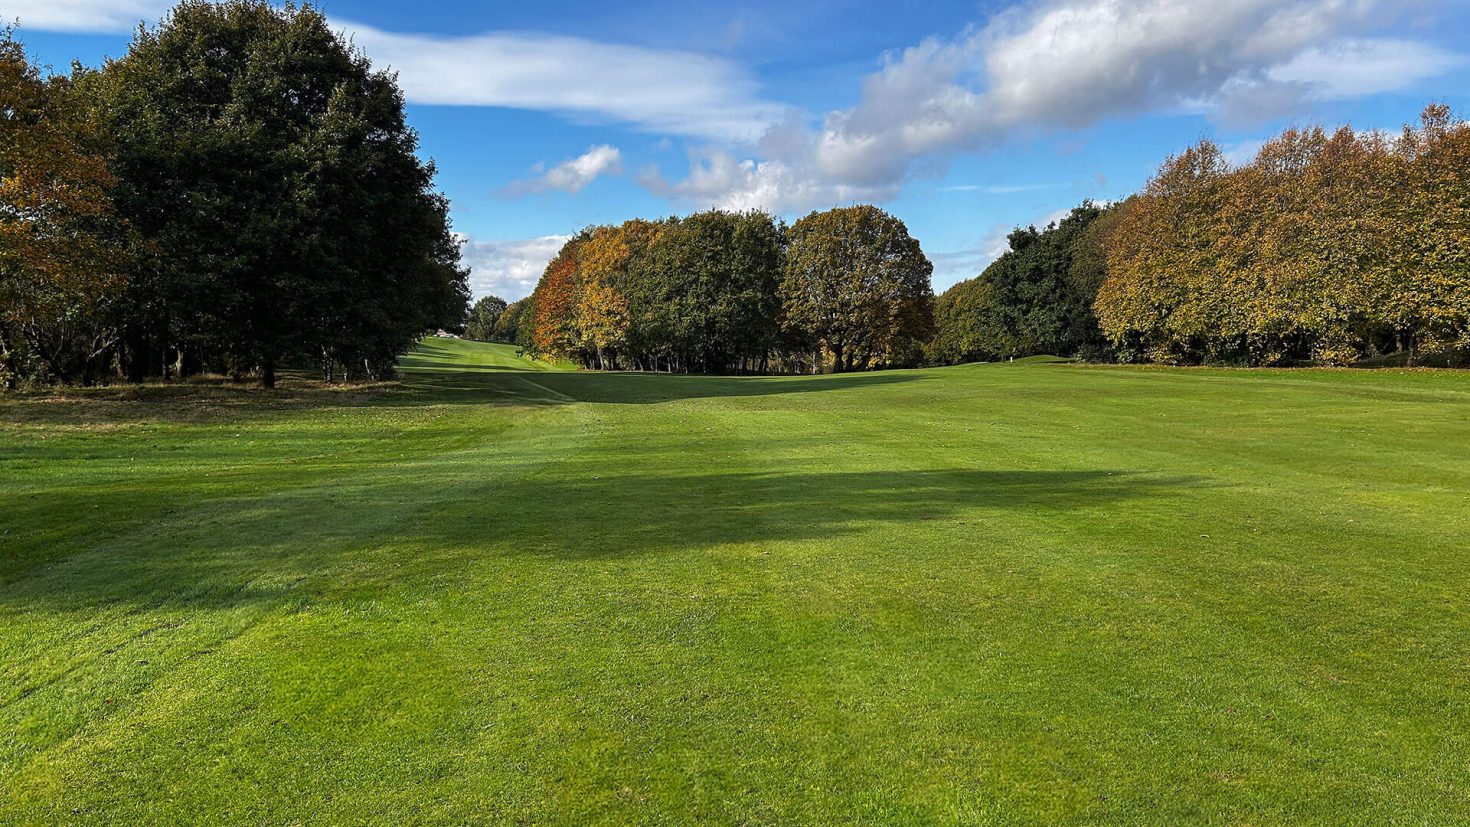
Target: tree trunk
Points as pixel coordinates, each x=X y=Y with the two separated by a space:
x=7 y=356
x=136 y=361
x=268 y=373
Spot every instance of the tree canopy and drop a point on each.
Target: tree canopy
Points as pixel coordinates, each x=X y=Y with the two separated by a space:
x=1035 y=298
x=696 y=293
x=1326 y=248
x=484 y=316
x=64 y=253
x=856 y=285
x=272 y=174
x=716 y=292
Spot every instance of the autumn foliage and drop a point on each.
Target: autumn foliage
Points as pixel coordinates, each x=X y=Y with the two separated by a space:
x=736 y=292
x=1326 y=248
x=63 y=255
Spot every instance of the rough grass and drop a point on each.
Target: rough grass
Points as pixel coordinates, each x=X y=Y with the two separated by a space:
x=497 y=592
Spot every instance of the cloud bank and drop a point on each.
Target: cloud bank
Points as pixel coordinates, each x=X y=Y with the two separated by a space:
x=91 y=16
x=661 y=91
x=1066 y=64
x=655 y=90
x=508 y=269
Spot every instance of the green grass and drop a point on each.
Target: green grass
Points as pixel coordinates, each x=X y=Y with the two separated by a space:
x=498 y=592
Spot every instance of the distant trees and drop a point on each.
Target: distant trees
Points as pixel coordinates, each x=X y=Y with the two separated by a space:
x=64 y=253
x=715 y=276
x=484 y=316
x=856 y=284
x=678 y=294
x=706 y=293
x=695 y=293
x=240 y=190
x=1324 y=249
x=514 y=325
x=1036 y=298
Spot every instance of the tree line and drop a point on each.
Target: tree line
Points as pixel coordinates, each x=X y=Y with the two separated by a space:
x=1324 y=249
x=238 y=192
x=241 y=191
x=730 y=292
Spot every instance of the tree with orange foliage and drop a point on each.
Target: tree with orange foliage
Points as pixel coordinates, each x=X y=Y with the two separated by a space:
x=62 y=249
x=602 y=313
x=552 y=328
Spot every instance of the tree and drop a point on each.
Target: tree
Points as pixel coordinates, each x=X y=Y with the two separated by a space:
x=484 y=316
x=1151 y=306
x=511 y=326
x=1031 y=300
x=553 y=324
x=968 y=325
x=601 y=315
x=856 y=284
x=1324 y=249
x=273 y=173
x=716 y=276
x=63 y=251
x=692 y=294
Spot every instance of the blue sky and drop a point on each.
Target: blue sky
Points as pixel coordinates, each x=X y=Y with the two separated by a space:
x=963 y=118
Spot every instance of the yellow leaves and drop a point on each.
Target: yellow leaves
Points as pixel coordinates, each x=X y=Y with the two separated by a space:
x=1323 y=248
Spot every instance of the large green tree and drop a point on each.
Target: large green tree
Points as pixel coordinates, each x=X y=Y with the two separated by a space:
x=271 y=168
x=1035 y=298
x=856 y=285
x=717 y=275
x=514 y=324
x=693 y=294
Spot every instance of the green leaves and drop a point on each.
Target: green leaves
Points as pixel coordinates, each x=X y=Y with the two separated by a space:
x=695 y=293
x=483 y=318
x=274 y=171
x=1035 y=299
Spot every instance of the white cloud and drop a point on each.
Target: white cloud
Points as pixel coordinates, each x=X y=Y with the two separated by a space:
x=665 y=91
x=1356 y=68
x=1039 y=65
x=83 y=15
x=719 y=178
x=573 y=174
x=509 y=269
x=1066 y=64
x=657 y=90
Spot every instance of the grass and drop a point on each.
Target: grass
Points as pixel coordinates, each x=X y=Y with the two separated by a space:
x=497 y=592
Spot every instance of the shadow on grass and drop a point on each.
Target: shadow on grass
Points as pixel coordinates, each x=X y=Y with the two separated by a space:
x=223 y=402
x=558 y=388
x=368 y=535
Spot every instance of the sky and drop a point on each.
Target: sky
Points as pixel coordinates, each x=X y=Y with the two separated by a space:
x=964 y=119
